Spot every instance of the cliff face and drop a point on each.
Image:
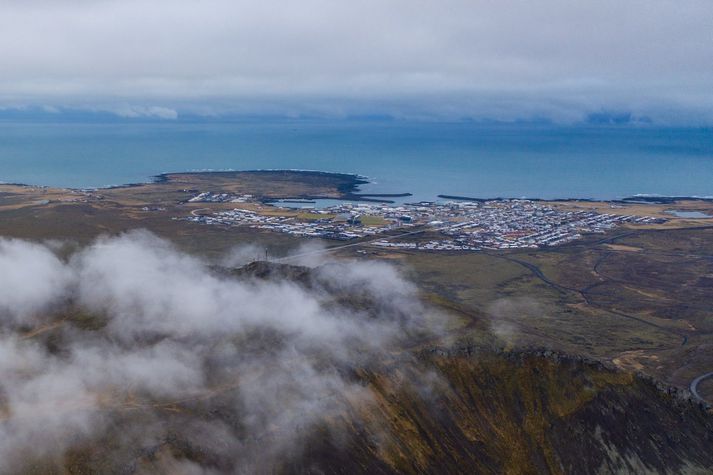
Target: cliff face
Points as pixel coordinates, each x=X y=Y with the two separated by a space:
x=516 y=413
x=478 y=411
x=406 y=410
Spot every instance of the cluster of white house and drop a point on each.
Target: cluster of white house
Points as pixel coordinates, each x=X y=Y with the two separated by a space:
x=339 y=227
x=210 y=197
x=494 y=224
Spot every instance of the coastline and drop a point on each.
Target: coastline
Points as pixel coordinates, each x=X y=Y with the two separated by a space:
x=349 y=190
x=636 y=199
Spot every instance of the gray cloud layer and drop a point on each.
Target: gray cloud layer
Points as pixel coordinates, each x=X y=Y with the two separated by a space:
x=447 y=58
x=271 y=357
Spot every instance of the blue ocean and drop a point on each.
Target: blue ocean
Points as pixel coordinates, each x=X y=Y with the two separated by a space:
x=423 y=158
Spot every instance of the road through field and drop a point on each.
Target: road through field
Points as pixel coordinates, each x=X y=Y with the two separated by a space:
x=335 y=248
x=694 y=386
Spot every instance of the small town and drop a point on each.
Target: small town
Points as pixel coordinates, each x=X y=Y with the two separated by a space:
x=454 y=225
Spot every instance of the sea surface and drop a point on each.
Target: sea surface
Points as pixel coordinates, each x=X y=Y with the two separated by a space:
x=426 y=159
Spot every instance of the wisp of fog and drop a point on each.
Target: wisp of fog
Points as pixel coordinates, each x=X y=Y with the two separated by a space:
x=130 y=336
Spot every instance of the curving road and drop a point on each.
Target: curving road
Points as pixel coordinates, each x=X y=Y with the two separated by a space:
x=694 y=386
x=193 y=212
x=537 y=272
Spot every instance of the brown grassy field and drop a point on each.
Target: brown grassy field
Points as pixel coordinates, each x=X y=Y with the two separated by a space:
x=635 y=299
x=639 y=297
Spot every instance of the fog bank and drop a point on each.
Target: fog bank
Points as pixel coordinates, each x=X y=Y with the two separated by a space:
x=130 y=333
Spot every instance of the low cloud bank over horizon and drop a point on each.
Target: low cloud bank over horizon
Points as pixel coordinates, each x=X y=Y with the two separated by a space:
x=130 y=338
x=508 y=60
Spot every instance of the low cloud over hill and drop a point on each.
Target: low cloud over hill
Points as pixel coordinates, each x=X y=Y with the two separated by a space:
x=136 y=324
x=128 y=356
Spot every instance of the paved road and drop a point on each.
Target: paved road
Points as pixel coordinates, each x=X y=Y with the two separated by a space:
x=335 y=248
x=694 y=386
x=537 y=272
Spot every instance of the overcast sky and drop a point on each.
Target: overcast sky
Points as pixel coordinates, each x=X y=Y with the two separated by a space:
x=443 y=58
